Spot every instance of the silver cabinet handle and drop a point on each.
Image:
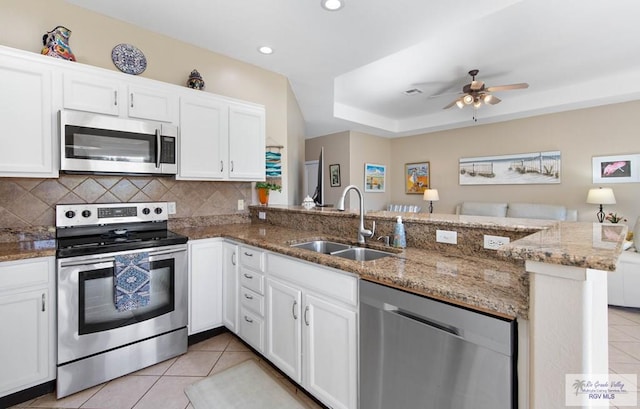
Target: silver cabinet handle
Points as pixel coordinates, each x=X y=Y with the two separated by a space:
x=293 y=309
x=249 y=276
x=249 y=320
x=231 y=166
x=233 y=258
x=221 y=166
x=44 y=305
x=248 y=297
x=158 y=147
x=306 y=310
x=248 y=254
x=115 y=97
x=132 y=100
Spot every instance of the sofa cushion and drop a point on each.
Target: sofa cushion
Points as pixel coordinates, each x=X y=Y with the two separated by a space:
x=484 y=209
x=537 y=211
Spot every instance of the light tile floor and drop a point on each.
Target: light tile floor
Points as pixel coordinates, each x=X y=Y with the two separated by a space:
x=162 y=386
x=624 y=342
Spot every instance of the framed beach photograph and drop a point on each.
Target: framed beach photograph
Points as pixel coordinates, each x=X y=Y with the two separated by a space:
x=616 y=169
x=374 y=177
x=334 y=175
x=416 y=178
x=516 y=169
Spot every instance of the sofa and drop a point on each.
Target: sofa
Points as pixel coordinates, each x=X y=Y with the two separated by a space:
x=520 y=210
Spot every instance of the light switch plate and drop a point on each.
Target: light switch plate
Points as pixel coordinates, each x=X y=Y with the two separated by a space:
x=262 y=215
x=240 y=204
x=171 y=207
x=447 y=236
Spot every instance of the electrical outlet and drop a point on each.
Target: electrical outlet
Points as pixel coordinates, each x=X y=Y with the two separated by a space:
x=262 y=215
x=240 y=204
x=493 y=242
x=447 y=236
x=171 y=207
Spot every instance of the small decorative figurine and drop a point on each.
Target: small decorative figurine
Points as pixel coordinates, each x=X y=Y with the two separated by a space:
x=195 y=80
x=56 y=44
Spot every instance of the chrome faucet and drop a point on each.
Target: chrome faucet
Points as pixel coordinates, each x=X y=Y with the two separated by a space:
x=362 y=232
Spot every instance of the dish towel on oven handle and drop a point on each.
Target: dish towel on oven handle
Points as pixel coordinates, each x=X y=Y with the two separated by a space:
x=131 y=281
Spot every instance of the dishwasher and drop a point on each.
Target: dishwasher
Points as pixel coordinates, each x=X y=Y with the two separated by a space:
x=416 y=352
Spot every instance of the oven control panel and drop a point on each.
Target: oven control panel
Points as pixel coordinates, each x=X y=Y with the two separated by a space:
x=85 y=214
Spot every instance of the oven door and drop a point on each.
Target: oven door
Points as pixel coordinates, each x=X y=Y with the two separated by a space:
x=88 y=321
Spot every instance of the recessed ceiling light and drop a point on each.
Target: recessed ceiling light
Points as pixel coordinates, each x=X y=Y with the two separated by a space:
x=332 y=5
x=266 y=50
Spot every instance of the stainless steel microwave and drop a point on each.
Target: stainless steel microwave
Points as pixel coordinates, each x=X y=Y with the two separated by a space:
x=97 y=144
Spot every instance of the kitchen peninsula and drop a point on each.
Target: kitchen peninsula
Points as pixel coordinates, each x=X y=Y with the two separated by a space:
x=551 y=278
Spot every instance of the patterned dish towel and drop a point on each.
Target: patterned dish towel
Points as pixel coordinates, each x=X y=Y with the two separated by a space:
x=131 y=281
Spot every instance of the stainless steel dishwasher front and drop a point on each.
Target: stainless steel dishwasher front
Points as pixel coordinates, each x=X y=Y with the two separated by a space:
x=416 y=352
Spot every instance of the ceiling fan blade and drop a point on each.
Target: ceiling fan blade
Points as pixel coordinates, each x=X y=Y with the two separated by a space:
x=451 y=104
x=477 y=85
x=508 y=87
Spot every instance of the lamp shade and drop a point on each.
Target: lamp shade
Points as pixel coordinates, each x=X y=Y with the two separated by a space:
x=601 y=195
x=431 y=194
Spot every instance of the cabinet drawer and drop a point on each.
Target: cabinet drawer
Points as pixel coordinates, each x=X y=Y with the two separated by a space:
x=251 y=257
x=332 y=283
x=252 y=329
x=22 y=273
x=252 y=300
x=252 y=280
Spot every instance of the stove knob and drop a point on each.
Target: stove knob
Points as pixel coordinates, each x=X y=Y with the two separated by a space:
x=158 y=210
x=146 y=210
x=86 y=213
x=70 y=214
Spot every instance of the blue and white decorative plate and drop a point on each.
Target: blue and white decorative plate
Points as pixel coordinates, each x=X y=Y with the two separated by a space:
x=129 y=59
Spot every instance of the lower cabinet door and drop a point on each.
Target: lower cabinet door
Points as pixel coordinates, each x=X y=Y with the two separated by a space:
x=205 y=285
x=251 y=329
x=330 y=345
x=284 y=339
x=24 y=345
x=230 y=287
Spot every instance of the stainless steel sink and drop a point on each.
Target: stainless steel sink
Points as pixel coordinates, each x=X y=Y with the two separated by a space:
x=322 y=246
x=361 y=254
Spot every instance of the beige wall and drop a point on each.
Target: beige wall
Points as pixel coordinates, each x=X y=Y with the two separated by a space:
x=366 y=148
x=578 y=135
x=295 y=149
x=22 y=24
x=336 y=150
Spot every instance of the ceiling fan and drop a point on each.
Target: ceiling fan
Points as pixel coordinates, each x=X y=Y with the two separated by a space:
x=475 y=93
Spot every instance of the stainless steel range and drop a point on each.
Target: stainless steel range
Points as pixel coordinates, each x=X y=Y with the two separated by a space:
x=122 y=291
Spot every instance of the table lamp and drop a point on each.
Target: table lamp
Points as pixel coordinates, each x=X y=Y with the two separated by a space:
x=600 y=196
x=431 y=195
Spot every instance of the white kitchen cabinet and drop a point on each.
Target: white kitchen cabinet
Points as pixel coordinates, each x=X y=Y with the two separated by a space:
x=27 y=115
x=28 y=316
x=251 y=319
x=205 y=284
x=90 y=90
x=220 y=139
x=230 y=286
x=312 y=328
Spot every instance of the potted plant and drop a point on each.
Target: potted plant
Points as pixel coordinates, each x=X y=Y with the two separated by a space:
x=263 y=191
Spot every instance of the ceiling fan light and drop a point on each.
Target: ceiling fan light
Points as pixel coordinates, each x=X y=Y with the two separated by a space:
x=477 y=103
x=460 y=104
x=467 y=99
x=488 y=99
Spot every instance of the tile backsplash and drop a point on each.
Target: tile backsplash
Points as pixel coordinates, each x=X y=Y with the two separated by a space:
x=30 y=202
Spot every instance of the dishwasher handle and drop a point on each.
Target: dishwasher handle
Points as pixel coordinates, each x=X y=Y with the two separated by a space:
x=449 y=329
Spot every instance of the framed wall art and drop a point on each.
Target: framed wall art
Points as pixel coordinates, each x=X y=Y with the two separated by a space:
x=521 y=168
x=374 y=177
x=616 y=169
x=417 y=177
x=334 y=175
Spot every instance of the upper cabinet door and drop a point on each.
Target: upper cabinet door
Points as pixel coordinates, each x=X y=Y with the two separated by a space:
x=27 y=116
x=246 y=142
x=203 y=139
x=92 y=93
x=152 y=103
